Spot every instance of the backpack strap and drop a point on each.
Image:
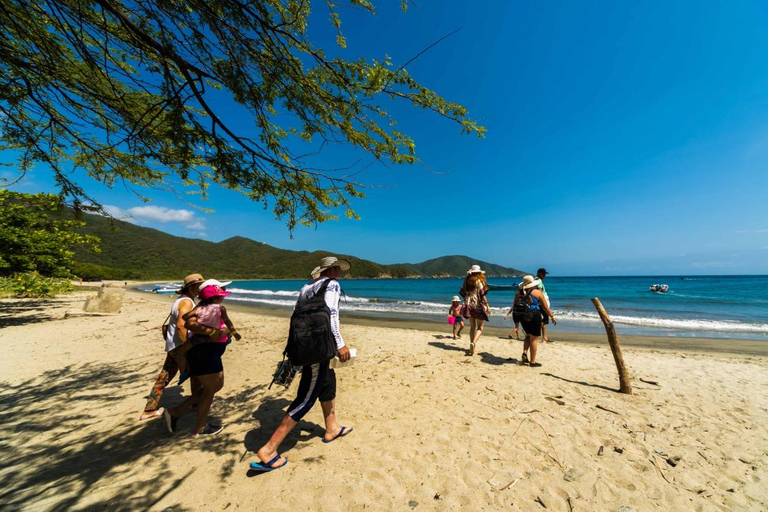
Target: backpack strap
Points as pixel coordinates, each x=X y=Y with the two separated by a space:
x=323 y=287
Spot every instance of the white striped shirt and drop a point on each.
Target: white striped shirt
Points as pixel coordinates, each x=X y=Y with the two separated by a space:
x=332 y=298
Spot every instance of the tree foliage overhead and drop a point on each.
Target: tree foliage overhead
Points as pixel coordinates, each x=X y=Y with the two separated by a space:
x=34 y=239
x=126 y=90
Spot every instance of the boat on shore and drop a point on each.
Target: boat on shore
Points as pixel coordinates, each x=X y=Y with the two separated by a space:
x=659 y=288
x=165 y=289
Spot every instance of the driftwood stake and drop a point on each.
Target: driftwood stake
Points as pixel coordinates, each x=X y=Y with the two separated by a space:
x=613 y=340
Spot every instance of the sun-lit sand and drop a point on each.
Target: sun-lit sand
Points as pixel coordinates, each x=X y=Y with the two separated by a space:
x=434 y=429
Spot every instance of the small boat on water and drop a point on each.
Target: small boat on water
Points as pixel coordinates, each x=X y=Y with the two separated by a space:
x=165 y=288
x=659 y=288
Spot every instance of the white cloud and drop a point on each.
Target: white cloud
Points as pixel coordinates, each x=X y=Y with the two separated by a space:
x=150 y=215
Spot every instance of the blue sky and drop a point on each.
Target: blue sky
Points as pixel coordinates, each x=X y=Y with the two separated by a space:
x=623 y=139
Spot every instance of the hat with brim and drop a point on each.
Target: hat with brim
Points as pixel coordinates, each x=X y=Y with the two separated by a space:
x=530 y=282
x=331 y=261
x=190 y=280
x=215 y=282
x=456 y=298
x=475 y=269
x=212 y=291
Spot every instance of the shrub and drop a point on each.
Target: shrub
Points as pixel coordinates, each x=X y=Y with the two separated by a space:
x=32 y=284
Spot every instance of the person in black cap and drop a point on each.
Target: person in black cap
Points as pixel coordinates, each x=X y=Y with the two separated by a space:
x=541 y=274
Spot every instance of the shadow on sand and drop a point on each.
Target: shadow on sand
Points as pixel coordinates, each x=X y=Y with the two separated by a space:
x=445 y=346
x=29 y=311
x=268 y=415
x=48 y=464
x=580 y=382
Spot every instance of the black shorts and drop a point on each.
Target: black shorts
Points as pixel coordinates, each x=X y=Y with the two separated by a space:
x=534 y=326
x=205 y=359
x=516 y=318
x=318 y=381
x=544 y=318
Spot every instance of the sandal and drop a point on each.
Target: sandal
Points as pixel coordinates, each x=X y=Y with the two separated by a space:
x=524 y=359
x=535 y=365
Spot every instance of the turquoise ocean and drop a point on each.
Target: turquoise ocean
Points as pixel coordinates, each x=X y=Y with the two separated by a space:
x=696 y=306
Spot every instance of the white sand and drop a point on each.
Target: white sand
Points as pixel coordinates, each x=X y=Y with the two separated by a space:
x=434 y=429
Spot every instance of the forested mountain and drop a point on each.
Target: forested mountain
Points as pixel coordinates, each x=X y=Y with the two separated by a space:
x=134 y=252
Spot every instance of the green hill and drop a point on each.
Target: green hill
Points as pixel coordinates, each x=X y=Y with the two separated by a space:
x=134 y=252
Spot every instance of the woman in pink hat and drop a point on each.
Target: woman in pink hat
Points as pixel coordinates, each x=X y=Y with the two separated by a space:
x=212 y=329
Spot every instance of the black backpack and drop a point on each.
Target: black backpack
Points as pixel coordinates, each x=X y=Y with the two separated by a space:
x=522 y=307
x=310 y=339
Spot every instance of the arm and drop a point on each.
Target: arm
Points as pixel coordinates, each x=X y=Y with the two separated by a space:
x=183 y=309
x=229 y=324
x=332 y=298
x=208 y=333
x=544 y=305
x=188 y=314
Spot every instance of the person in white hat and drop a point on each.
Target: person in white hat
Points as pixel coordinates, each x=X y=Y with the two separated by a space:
x=474 y=292
x=455 y=312
x=532 y=327
x=318 y=381
x=175 y=334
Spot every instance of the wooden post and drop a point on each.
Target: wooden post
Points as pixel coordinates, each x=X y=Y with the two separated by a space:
x=613 y=340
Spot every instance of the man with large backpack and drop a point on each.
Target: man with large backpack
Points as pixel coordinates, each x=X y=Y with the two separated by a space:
x=314 y=326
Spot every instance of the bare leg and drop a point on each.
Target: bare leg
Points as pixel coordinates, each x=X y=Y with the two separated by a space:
x=211 y=384
x=534 y=348
x=478 y=331
x=191 y=400
x=332 y=429
x=544 y=333
x=454 y=329
x=269 y=450
x=526 y=346
x=461 y=328
x=472 y=329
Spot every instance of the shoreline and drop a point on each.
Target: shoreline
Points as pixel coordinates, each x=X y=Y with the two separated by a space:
x=733 y=346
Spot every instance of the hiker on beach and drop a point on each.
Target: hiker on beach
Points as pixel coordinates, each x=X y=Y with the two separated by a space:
x=454 y=313
x=519 y=296
x=318 y=381
x=212 y=329
x=541 y=274
x=175 y=336
x=474 y=291
x=532 y=327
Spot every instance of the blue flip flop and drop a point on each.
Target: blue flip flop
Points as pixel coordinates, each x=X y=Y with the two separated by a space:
x=267 y=466
x=340 y=434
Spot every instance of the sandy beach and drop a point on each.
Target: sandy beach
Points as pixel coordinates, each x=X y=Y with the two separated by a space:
x=434 y=429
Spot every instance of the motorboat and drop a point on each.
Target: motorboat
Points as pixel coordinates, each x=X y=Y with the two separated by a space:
x=659 y=288
x=165 y=289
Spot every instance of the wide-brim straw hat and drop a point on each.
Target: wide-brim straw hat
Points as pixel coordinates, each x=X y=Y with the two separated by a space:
x=475 y=269
x=456 y=299
x=189 y=281
x=530 y=282
x=331 y=261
